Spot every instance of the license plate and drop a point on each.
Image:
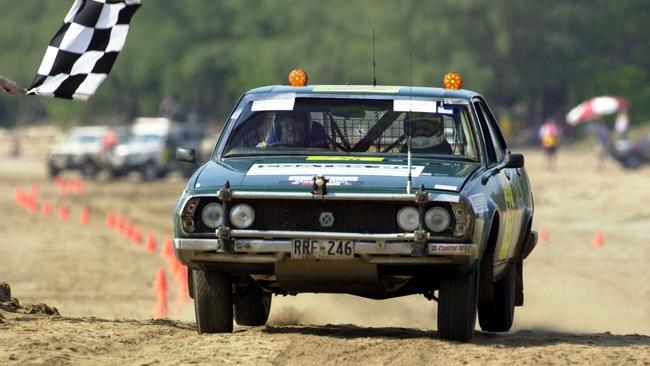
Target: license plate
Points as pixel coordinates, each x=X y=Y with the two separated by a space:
x=321 y=249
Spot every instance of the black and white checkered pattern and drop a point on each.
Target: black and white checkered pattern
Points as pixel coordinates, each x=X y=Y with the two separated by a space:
x=83 y=51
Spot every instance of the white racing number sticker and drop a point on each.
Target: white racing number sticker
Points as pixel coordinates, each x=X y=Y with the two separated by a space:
x=322 y=249
x=333 y=181
x=335 y=169
x=404 y=105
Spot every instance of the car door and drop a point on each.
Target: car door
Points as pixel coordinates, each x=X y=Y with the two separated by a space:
x=506 y=190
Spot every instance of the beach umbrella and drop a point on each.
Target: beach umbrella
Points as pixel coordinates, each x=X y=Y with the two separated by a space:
x=593 y=108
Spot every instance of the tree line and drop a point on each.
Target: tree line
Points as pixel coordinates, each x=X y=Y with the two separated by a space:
x=530 y=59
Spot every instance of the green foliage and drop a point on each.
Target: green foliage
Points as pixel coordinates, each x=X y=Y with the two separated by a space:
x=536 y=58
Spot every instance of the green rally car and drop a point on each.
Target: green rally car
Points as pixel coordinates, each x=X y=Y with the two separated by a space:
x=375 y=191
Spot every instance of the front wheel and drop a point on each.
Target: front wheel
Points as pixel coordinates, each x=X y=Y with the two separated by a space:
x=149 y=171
x=89 y=169
x=457 y=299
x=497 y=315
x=252 y=308
x=212 y=302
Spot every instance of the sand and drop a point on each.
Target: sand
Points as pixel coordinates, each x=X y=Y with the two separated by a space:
x=583 y=303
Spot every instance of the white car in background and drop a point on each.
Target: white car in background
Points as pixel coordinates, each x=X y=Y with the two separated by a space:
x=149 y=150
x=85 y=150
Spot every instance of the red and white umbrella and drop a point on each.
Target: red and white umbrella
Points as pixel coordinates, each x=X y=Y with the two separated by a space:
x=596 y=107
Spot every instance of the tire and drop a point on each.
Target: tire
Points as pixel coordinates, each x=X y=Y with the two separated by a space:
x=632 y=162
x=253 y=307
x=89 y=169
x=212 y=302
x=149 y=172
x=498 y=315
x=457 y=301
x=52 y=171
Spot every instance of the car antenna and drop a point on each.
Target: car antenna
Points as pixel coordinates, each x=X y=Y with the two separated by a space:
x=374 y=65
x=409 y=180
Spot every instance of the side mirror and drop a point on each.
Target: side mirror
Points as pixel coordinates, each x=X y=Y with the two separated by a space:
x=509 y=161
x=186 y=155
x=514 y=161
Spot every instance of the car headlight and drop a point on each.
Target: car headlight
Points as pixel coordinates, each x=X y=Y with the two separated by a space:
x=437 y=219
x=212 y=215
x=242 y=216
x=463 y=218
x=408 y=218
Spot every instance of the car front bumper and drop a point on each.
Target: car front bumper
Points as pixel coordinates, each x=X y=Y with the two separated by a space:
x=268 y=247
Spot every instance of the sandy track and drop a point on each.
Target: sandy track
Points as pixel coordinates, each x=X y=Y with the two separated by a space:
x=575 y=293
x=97 y=341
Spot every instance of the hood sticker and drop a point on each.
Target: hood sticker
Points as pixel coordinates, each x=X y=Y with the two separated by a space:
x=478 y=203
x=335 y=169
x=345 y=158
x=306 y=180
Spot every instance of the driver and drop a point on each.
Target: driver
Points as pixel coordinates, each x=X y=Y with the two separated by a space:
x=427 y=134
x=294 y=129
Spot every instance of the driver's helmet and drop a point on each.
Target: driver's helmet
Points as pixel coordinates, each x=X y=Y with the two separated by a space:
x=291 y=128
x=427 y=130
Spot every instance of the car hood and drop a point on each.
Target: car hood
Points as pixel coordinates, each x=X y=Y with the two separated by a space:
x=296 y=173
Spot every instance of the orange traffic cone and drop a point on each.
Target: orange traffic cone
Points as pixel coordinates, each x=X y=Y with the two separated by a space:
x=599 y=239
x=183 y=296
x=58 y=181
x=136 y=236
x=160 y=289
x=31 y=204
x=151 y=243
x=179 y=269
x=119 y=223
x=19 y=196
x=64 y=212
x=46 y=209
x=64 y=189
x=84 y=218
x=161 y=281
x=168 y=249
x=79 y=186
x=543 y=235
x=35 y=190
x=127 y=228
x=110 y=220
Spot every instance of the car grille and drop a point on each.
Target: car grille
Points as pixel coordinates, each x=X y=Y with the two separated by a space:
x=349 y=216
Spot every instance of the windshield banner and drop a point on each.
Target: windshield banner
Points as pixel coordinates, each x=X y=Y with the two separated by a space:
x=279 y=102
x=405 y=105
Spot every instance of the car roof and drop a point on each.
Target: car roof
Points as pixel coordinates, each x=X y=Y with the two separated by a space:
x=365 y=90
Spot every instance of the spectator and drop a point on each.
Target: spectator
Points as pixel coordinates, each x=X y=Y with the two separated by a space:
x=622 y=125
x=549 y=137
x=600 y=130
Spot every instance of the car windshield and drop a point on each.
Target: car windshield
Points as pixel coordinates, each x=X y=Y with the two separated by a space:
x=351 y=126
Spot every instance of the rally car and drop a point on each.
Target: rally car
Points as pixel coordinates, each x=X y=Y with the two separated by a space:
x=375 y=191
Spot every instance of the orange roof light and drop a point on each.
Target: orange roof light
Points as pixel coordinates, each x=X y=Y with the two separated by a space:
x=453 y=81
x=297 y=77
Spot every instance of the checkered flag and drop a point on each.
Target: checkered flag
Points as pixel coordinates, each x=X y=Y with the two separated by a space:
x=83 y=51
